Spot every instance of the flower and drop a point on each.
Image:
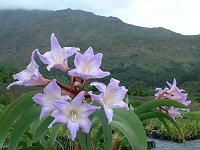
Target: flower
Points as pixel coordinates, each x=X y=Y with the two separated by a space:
x=87 y=65
x=58 y=56
x=30 y=76
x=173 y=112
x=173 y=88
x=51 y=92
x=74 y=114
x=111 y=96
x=161 y=94
x=174 y=93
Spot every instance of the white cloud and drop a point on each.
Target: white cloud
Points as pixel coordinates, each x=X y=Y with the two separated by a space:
x=181 y=16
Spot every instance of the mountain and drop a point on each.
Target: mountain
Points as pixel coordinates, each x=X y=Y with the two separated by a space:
x=131 y=53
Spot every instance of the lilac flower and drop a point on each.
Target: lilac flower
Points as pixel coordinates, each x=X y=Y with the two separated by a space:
x=30 y=76
x=173 y=88
x=74 y=114
x=51 y=92
x=174 y=93
x=58 y=56
x=173 y=112
x=111 y=97
x=181 y=97
x=87 y=65
x=161 y=94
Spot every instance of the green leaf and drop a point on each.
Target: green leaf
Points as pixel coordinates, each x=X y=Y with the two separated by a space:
x=13 y=112
x=162 y=115
x=82 y=139
x=131 y=126
x=97 y=137
x=145 y=107
x=53 y=136
x=107 y=132
x=23 y=124
x=164 y=122
x=42 y=128
x=31 y=148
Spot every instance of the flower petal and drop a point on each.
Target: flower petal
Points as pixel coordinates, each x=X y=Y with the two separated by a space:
x=53 y=90
x=74 y=72
x=61 y=105
x=100 y=86
x=39 y=98
x=33 y=65
x=85 y=124
x=186 y=103
x=99 y=74
x=109 y=114
x=89 y=51
x=45 y=111
x=78 y=60
x=15 y=83
x=86 y=109
x=121 y=104
x=73 y=128
x=59 y=118
x=69 y=51
x=77 y=101
x=98 y=98
x=55 y=46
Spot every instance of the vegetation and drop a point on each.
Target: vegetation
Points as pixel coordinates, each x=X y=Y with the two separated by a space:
x=141 y=58
x=131 y=53
x=190 y=124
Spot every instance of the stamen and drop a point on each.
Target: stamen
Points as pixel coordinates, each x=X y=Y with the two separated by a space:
x=73 y=115
x=110 y=104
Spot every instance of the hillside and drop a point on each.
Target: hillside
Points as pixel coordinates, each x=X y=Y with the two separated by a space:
x=131 y=53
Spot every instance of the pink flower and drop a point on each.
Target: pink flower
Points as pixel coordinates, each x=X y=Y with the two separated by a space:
x=58 y=56
x=174 y=93
x=51 y=92
x=173 y=112
x=173 y=88
x=87 y=65
x=74 y=114
x=30 y=76
x=111 y=97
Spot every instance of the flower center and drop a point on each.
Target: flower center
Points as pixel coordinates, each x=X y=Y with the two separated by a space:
x=73 y=115
x=109 y=102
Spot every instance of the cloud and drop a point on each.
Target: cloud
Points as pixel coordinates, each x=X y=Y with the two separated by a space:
x=181 y=16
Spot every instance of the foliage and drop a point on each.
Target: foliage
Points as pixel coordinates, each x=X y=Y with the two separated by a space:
x=33 y=133
x=190 y=125
x=139 y=88
x=6 y=73
x=132 y=53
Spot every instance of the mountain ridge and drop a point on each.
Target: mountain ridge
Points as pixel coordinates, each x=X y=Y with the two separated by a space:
x=131 y=53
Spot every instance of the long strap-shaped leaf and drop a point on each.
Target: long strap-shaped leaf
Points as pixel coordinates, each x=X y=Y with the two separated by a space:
x=162 y=115
x=131 y=126
x=42 y=128
x=82 y=139
x=13 y=112
x=164 y=122
x=53 y=136
x=145 y=107
x=97 y=137
x=107 y=132
x=22 y=125
x=85 y=139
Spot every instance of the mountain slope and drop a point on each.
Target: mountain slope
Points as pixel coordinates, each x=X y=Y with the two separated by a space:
x=130 y=52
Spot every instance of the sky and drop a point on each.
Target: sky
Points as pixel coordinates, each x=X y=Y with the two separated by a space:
x=181 y=16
